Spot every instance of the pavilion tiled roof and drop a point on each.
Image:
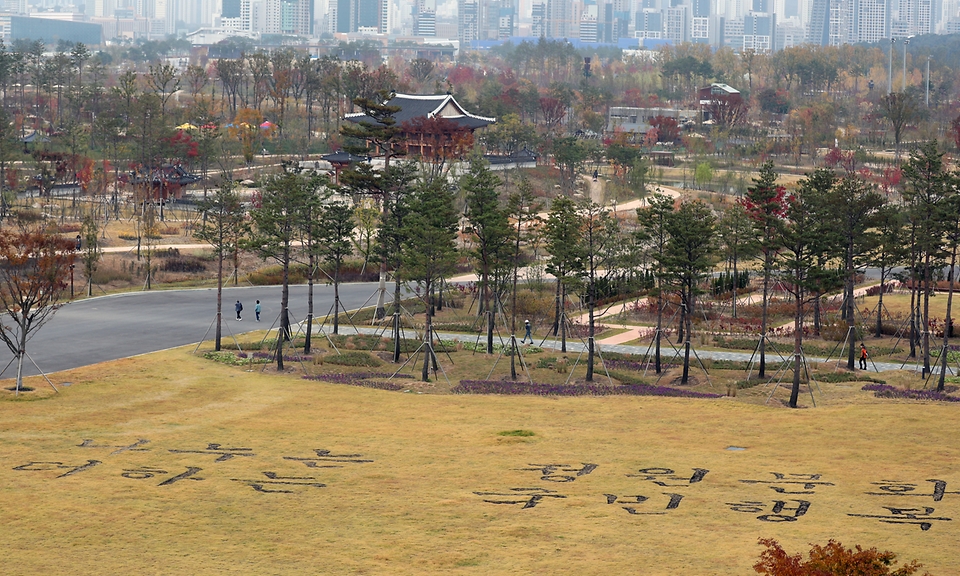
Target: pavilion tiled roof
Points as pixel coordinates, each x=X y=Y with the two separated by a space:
x=417 y=106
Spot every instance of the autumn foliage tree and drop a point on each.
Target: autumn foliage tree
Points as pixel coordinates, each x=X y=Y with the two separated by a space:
x=33 y=276
x=831 y=560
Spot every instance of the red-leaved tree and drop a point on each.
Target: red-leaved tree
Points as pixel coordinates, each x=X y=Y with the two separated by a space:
x=831 y=560
x=34 y=266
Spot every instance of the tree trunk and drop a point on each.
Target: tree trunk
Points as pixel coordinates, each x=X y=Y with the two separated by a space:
x=763 y=316
x=219 y=296
x=308 y=333
x=947 y=325
x=736 y=285
x=851 y=312
x=23 y=352
x=563 y=320
x=428 y=338
x=659 y=333
x=797 y=350
x=879 y=332
x=556 y=312
x=336 y=298
x=591 y=331
x=688 y=324
x=927 y=281
x=396 y=321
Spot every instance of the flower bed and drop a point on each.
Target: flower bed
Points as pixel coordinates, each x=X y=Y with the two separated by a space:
x=520 y=388
x=269 y=356
x=365 y=379
x=887 y=391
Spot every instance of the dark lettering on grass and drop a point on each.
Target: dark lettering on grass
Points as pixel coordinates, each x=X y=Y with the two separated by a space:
x=781 y=482
x=899 y=488
x=119 y=449
x=548 y=471
x=223 y=453
x=922 y=517
x=70 y=469
x=673 y=504
x=145 y=473
x=324 y=459
x=659 y=476
x=276 y=484
x=776 y=515
x=529 y=497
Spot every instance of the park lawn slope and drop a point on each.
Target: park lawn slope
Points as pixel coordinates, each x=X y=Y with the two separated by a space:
x=413 y=508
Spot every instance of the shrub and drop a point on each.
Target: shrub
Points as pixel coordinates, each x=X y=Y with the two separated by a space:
x=836 y=331
x=830 y=560
x=186 y=264
x=353 y=358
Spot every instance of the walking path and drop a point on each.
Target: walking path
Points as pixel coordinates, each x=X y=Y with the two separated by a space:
x=576 y=346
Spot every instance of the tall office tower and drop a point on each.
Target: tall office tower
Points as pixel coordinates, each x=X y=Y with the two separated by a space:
x=649 y=24
x=425 y=18
x=588 y=23
x=676 y=26
x=733 y=33
x=507 y=19
x=917 y=15
x=488 y=19
x=289 y=17
x=621 y=19
x=468 y=16
x=538 y=20
x=560 y=19
x=384 y=20
x=759 y=31
x=870 y=21
x=825 y=27
x=345 y=16
x=700 y=17
x=355 y=15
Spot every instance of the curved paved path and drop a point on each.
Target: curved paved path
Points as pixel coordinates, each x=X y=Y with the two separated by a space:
x=118 y=326
x=105 y=328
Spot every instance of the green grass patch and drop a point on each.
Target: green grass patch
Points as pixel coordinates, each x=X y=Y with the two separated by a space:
x=520 y=433
x=353 y=358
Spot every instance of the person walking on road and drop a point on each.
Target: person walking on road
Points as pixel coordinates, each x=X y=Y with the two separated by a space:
x=528 y=334
x=863 y=357
x=256 y=310
x=239 y=308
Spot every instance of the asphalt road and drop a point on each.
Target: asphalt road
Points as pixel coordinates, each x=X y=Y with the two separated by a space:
x=106 y=328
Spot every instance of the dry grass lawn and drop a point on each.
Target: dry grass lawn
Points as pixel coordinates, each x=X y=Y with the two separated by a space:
x=413 y=508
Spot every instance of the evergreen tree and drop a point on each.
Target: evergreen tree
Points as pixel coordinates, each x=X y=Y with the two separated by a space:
x=925 y=193
x=429 y=251
x=765 y=202
x=653 y=232
x=490 y=229
x=563 y=232
x=687 y=257
x=277 y=220
x=802 y=240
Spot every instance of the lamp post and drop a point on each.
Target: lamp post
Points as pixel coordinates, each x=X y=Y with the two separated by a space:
x=927 y=86
x=890 y=67
x=904 y=87
x=71 y=281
